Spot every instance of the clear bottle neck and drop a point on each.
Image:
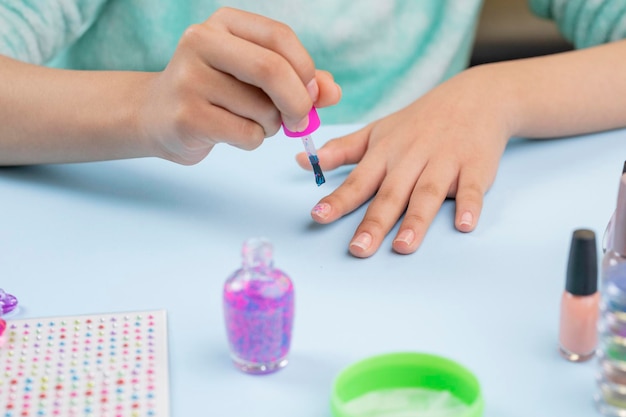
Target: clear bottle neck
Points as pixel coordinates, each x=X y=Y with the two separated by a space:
x=257 y=254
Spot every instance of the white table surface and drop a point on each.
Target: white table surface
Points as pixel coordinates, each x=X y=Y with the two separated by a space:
x=149 y=234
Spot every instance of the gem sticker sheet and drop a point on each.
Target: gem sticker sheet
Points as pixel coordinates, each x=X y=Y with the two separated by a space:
x=104 y=365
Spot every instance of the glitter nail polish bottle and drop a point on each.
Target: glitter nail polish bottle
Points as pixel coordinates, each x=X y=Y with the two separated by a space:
x=259 y=311
x=610 y=397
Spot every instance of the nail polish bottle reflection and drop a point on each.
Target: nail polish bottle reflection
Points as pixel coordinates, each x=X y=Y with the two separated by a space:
x=609 y=232
x=258 y=310
x=580 y=300
x=610 y=397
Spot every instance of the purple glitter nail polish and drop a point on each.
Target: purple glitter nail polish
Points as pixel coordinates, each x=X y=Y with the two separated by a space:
x=258 y=310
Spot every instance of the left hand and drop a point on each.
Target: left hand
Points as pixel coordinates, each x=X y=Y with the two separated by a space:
x=446 y=144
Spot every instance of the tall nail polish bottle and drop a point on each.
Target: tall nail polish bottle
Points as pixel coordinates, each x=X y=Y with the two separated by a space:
x=610 y=397
x=580 y=300
x=259 y=311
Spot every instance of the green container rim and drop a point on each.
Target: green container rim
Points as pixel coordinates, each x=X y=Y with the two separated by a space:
x=407 y=369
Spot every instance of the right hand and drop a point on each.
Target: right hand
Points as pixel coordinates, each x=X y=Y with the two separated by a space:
x=232 y=79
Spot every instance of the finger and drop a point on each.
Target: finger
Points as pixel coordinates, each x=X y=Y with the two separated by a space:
x=360 y=185
x=243 y=100
x=205 y=125
x=273 y=59
x=329 y=92
x=269 y=34
x=341 y=151
x=469 y=199
x=426 y=199
x=385 y=209
x=253 y=65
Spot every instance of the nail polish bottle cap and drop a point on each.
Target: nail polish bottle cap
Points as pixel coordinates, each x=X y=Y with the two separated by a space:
x=314 y=124
x=582 y=267
x=619 y=228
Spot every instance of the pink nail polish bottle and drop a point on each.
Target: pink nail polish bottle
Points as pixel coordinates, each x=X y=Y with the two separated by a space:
x=580 y=301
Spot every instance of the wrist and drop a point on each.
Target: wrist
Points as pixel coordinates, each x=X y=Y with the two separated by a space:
x=141 y=119
x=491 y=88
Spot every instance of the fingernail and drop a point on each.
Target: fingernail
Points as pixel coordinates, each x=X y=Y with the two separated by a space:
x=302 y=124
x=407 y=236
x=313 y=89
x=466 y=219
x=321 y=210
x=363 y=241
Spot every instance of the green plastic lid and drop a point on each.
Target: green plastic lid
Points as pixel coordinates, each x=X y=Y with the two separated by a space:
x=406 y=370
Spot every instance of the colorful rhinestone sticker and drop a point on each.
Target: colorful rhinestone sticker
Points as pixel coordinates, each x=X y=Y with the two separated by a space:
x=108 y=365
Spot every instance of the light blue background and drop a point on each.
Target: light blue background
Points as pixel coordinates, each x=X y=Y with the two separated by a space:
x=149 y=234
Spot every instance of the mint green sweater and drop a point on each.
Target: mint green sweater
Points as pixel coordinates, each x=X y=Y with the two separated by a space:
x=384 y=54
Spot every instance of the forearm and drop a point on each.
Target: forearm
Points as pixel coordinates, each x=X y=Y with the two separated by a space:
x=49 y=115
x=563 y=94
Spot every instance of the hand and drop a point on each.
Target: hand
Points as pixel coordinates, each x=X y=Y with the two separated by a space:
x=232 y=79
x=446 y=144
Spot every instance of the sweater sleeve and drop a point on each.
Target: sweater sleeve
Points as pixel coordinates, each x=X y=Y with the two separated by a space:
x=36 y=30
x=585 y=22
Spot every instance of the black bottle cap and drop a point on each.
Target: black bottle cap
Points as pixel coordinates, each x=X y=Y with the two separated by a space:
x=582 y=266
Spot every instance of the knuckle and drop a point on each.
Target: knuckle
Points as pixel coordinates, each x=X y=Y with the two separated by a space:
x=279 y=34
x=431 y=189
x=473 y=191
x=389 y=196
x=183 y=119
x=352 y=186
x=283 y=38
x=373 y=224
x=221 y=13
x=268 y=117
x=271 y=128
x=268 y=67
x=223 y=16
x=192 y=35
x=251 y=134
x=185 y=79
x=414 y=219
